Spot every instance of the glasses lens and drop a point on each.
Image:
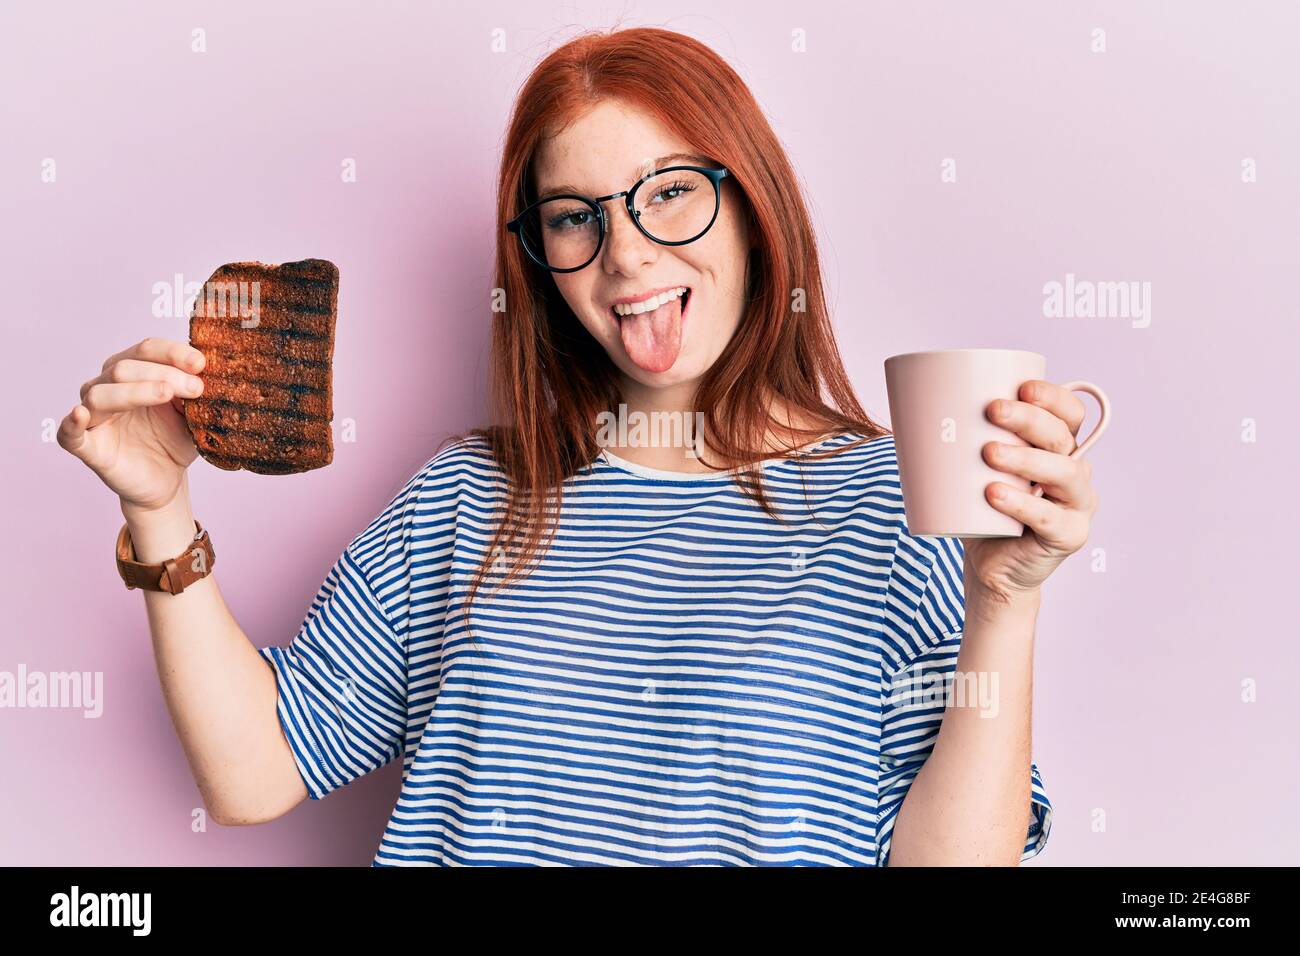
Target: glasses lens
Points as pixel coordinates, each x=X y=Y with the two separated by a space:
x=562 y=233
x=676 y=206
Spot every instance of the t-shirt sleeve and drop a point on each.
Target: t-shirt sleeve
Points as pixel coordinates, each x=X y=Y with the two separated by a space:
x=342 y=681
x=925 y=618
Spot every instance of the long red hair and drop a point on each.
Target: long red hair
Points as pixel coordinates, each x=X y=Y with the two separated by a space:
x=550 y=378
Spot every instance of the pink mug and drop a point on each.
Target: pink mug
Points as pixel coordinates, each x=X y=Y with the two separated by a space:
x=937 y=403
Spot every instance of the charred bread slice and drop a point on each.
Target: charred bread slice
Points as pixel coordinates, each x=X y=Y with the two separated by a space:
x=267 y=333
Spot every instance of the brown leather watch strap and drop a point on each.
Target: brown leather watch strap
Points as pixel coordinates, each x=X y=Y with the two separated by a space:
x=171 y=576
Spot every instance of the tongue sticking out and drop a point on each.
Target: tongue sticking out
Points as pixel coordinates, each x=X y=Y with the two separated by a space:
x=653 y=339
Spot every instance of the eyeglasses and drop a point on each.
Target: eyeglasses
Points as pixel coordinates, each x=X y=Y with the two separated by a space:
x=671 y=206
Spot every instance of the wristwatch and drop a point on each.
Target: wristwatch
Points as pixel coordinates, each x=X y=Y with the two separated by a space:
x=171 y=576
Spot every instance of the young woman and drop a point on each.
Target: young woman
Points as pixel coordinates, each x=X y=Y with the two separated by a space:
x=689 y=649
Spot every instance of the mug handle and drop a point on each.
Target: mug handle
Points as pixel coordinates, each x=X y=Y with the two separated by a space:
x=1102 y=422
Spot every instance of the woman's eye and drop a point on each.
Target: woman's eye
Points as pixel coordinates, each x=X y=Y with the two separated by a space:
x=678 y=188
x=570 y=219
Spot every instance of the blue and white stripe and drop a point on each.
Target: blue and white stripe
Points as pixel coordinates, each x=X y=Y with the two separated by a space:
x=681 y=680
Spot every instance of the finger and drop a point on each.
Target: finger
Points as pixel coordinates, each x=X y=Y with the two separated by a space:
x=1062 y=403
x=1065 y=479
x=1058 y=527
x=135 y=370
x=167 y=351
x=106 y=400
x=71 y=435
x=1036 y=425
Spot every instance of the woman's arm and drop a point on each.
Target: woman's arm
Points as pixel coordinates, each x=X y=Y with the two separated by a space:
x=969 y=804
x=220 y=692
x=129 y=428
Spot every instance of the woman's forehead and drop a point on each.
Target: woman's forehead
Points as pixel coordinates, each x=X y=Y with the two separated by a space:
x=620 y=176
x=611 y=144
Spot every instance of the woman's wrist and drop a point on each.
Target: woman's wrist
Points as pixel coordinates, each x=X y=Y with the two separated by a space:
x=987 y=605
x=160 y=533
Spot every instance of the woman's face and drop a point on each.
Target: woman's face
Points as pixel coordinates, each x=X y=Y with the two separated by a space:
x=605 y=152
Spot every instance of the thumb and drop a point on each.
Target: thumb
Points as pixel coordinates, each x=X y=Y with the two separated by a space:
x=73 y=435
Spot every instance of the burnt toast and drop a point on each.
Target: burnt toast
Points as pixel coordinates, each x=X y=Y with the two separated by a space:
x=267 y=334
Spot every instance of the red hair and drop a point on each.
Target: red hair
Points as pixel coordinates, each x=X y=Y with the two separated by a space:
x=550 y=378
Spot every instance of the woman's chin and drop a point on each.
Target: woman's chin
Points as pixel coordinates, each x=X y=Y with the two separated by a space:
x=687 y=368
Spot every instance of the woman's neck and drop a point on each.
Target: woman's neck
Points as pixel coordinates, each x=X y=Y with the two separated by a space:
x=660 y=428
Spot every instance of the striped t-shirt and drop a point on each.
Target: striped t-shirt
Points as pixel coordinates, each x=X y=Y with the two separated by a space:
x=681 y=680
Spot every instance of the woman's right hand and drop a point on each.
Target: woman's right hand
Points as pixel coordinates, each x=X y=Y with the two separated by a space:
x=129 y=427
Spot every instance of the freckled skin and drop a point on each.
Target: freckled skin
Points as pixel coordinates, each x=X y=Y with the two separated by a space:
x=602 y=153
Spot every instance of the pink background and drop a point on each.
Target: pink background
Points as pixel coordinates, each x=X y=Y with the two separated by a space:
x=1115 y=166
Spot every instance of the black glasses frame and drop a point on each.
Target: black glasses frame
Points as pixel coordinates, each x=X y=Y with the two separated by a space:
x=715 y=175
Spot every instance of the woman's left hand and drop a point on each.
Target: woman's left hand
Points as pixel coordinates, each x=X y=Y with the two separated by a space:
x=1057 y=522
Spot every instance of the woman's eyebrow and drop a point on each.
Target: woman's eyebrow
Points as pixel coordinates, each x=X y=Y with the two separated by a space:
x=658 y=163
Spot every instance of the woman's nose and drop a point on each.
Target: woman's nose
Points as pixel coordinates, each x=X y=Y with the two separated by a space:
x=624 y=243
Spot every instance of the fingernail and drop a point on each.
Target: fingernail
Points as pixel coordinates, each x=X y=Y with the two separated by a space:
x=999 y=409
x=195 y=384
